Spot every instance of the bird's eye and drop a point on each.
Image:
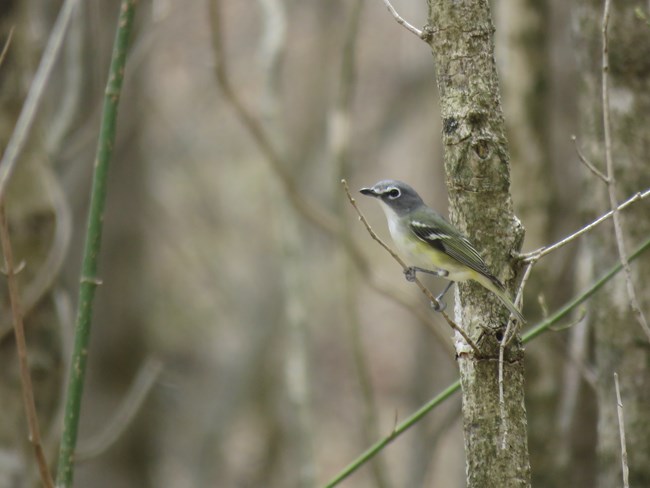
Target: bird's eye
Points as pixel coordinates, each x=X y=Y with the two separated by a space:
x=393 y=193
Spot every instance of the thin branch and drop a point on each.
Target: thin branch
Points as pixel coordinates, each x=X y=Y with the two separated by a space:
x=621 y=431
x=519 y=302
x=582 y=313
x=5 y=48
x=583 y=159
x=400 y=20
x=508 y=335
x=398 y=430
x=451 y=389
x=423 y=288
x=131 y=404
x=562 y=312
x=502 y=403
x=36 y=90
x=611 y=181
x=543 y=251
x=47 y=272
x=92 y=246
x=21 y=346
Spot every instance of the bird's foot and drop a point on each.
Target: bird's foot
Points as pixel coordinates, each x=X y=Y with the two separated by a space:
x=439 y=305
x=409 y=273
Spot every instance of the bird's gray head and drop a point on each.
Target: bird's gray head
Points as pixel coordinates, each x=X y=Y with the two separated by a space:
x=398 y=196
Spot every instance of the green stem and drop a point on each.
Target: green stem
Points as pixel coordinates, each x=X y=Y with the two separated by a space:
x=89 y=280
x=397 y=431
x=562 y=312
x=451 y=389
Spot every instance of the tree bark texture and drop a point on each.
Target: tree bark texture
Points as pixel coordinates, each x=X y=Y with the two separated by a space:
x=621 y=346
x=478 y=180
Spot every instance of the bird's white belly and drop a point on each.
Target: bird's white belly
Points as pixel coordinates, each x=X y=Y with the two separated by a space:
x=418 y=253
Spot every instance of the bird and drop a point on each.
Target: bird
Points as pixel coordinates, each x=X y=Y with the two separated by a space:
x=432 y=245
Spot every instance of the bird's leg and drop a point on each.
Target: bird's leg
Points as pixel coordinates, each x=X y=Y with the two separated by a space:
x=441 y=305
x=442 y=294
x=409 y=272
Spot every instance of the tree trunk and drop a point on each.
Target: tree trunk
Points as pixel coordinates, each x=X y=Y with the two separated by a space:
x=478 y=179
x=621 y=345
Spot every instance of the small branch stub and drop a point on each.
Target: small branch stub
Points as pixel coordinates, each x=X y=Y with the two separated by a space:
x=423 y=34
x=91 y=281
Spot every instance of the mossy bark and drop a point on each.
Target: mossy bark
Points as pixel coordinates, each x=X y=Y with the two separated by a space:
x=478 y=180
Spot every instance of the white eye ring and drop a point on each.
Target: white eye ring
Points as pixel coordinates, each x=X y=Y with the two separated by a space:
x=393 y=193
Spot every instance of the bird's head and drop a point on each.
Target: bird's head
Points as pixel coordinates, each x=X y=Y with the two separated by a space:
x=396 y=195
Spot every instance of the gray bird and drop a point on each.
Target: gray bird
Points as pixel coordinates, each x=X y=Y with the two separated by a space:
x=431 y=244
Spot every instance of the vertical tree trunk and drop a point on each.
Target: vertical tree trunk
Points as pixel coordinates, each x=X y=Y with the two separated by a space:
x=621 y=345
x=478 y=179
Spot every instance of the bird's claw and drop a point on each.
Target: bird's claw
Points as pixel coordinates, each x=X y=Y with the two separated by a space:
x=409 y=273
x=438 y=305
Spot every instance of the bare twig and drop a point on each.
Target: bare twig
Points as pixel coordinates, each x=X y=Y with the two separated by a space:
x=621 y=430
x=400 y=20
x=502 y=403
x=611 y=181
x=48 y=271
x=543 y=251
x=5 y=48
x=423 y=288
x=21 y=346
x=36 y=90
x=508 y=335
x=582 y=313
x=126 y=412
x=510 y=332
x=519 y=302
x=529 y=336
x=583 y=159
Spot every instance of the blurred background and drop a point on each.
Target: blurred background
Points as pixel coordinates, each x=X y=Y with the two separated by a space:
x=272 y=339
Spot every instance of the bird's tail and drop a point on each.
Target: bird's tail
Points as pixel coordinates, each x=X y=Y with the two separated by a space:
x=498 y=289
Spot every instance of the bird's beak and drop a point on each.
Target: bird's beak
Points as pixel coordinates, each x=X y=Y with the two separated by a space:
x=368 y=192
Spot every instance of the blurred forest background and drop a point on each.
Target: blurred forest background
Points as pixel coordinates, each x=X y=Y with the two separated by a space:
x=267 y=353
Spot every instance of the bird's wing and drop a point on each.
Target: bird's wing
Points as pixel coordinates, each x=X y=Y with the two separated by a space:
x=447 y=239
